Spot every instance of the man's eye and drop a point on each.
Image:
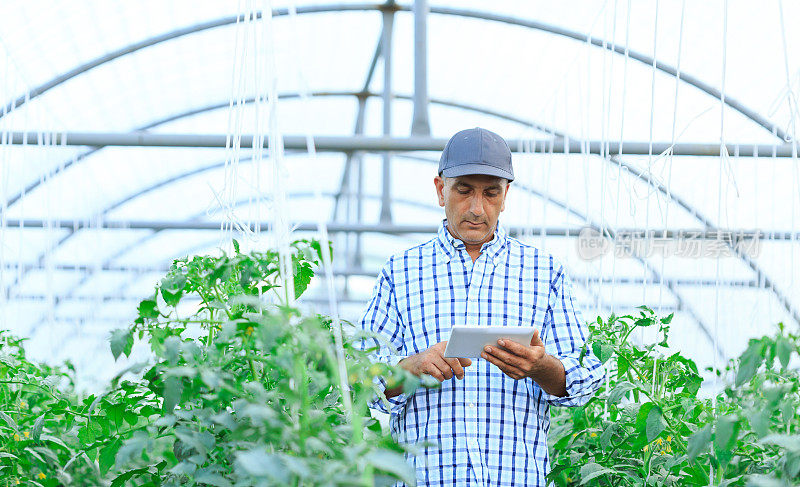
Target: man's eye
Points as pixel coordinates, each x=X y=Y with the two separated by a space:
x=463 y=191
x=491 y=195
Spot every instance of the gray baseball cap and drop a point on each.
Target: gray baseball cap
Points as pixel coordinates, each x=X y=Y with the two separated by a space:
x=476 y=151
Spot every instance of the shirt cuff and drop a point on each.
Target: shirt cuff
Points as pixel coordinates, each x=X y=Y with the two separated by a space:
x=577 y=393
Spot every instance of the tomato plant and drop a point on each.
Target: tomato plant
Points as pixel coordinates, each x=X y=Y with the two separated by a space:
x=649 y=424
x=240 y=390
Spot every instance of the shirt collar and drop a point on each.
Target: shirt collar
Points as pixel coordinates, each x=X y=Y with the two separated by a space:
x=450 y=246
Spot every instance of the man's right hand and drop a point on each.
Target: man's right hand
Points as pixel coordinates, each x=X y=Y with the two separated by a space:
x=433 y=363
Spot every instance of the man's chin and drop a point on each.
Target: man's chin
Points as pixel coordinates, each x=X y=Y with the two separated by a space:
x=472 y=234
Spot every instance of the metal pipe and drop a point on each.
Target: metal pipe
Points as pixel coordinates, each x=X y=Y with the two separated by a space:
x=420 y=124
x=386 y=53
x=772 y=128
x=361 y=95
x=328 y=143
x=360 y=272
x=734 y=235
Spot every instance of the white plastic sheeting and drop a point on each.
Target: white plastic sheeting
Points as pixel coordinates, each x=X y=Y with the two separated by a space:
x=67 y=288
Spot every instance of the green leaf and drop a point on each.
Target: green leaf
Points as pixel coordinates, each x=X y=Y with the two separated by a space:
x=53 y=439
x=619 y=391
x=603 y=351
x=173 y=388
x=750 y=361
x=726 y=432
x=392 y=462
x=642 y=415
x=148 y=309
x=593 y=470
x=788 y=442
x=130 y=417
x=116 y=414
x=667 y=319
x=36 y=431
x=9 y=421
x=259 y=463
x=699 y=442
x=108 y=455
x=236 y=245
x=759 y=421
x=765 y=481
x=210 y=478
x=172 y=299
x=173 y=283
x=121 y=342
x=172 y=349
x=655 y=423
x=783 y=349
x=125 y=477
x=132 y=448
x=302 y=277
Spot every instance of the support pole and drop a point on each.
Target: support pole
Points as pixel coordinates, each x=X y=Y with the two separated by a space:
x=386 y=51
x=421 y=124
x=328 y=143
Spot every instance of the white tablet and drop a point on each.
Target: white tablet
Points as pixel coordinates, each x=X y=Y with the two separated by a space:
x=468 y=341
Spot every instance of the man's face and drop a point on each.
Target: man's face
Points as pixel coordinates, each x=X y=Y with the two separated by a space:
x=472 y=205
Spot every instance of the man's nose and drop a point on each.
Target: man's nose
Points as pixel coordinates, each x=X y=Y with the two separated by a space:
x=476 y=206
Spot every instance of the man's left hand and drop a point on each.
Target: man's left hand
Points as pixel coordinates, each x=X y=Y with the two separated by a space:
x=518 y=361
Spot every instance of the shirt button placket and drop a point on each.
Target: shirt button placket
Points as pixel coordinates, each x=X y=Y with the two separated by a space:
x=471 y=403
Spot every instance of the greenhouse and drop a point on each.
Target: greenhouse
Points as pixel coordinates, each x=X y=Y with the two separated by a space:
x=204 y=205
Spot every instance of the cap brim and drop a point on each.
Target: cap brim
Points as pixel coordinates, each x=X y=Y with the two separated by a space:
x=467 y=169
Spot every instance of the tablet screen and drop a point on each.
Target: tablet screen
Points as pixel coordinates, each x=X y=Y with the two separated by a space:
x=468 y=341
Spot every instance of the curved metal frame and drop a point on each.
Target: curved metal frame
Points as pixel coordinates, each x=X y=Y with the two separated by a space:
x=656 y=275
x=362 y=96
x=772 y=128
x=445 y=11
x=216 y=106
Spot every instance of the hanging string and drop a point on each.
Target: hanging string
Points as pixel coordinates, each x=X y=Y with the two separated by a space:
x=723 y=154
x=619 y=150
x=670 y=155
x=794 y=114
x=322 y=228
x=603 y=155
x=650 y=151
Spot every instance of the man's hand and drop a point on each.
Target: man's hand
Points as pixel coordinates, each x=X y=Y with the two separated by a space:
x=518 y=362
x=433 y=363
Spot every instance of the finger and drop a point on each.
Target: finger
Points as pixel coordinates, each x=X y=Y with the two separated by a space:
x=535 y=340
x=465 y=362
x=434 y=372
x=455 y=365
x=441 y=364
x=504 y=356
x=514 y=347
x=507 y=369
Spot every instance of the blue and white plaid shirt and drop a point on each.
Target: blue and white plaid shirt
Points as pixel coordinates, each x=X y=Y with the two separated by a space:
x=491 y=429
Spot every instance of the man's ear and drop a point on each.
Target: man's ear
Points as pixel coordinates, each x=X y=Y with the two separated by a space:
x=438 y=181
x=505 y=195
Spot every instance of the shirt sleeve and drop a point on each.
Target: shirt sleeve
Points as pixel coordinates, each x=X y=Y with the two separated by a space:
x=382 y=319
x=566 y=334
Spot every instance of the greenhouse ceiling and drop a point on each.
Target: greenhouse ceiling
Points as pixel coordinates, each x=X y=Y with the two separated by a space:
x=137 y=133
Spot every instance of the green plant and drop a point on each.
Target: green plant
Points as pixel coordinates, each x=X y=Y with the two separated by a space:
x=38 y=421
x=649 y=425
x=238 y=390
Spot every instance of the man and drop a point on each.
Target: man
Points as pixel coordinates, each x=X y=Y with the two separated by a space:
x=489 y=418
